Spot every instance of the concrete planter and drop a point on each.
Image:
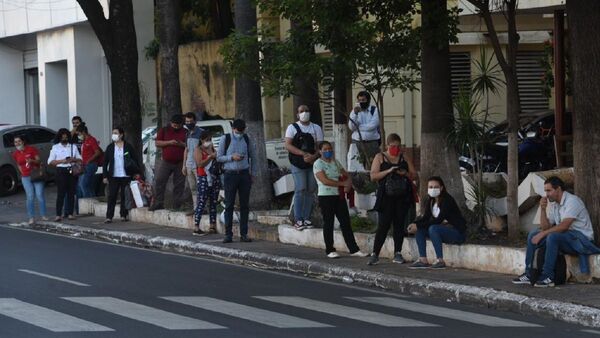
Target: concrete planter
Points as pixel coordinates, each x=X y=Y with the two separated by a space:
x=365 y=201
x=284 y=185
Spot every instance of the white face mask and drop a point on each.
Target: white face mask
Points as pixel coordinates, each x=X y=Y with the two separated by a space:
x=207 y=144
x=304 y=116
x=434 y=192
x=21 y=147
x=115 y=137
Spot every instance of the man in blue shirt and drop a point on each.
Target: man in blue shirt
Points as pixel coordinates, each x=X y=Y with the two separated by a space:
x=239 y=158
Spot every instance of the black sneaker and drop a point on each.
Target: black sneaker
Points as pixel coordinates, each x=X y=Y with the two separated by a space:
x=227 y=240
x=544 y=283
x=438 y=265
x=245 y=239
x=299 y=225
x=522 y=279
x=308 y=224
x=373 y=260
x=419 y=265
x=398 y=258
x=198 y=232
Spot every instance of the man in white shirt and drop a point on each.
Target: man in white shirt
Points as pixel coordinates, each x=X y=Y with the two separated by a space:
x=301 y=141
x=364 y=124
x=63 y=156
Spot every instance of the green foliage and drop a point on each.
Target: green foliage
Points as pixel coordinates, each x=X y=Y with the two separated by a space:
x=479 y=194
x=488 y=76
x=151 y=49
x=361 y=224
x=468 y=128
x=362 y=184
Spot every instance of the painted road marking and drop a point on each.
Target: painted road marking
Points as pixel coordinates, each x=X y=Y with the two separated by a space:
x=53 y=277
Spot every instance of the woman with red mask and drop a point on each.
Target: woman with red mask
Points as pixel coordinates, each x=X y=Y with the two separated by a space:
x=393 y=171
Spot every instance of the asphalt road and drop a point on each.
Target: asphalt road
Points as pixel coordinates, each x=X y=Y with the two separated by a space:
x=55 y=286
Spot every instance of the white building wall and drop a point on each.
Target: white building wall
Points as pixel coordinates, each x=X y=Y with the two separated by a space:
x=143 y=16
x=12 y=95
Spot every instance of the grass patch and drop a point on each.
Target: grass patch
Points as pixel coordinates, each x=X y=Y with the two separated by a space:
x=361 y=224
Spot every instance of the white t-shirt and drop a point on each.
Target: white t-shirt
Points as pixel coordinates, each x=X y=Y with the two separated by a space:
x=313 y=129
x=435 y=210
x=60 y=152
x=119 y=168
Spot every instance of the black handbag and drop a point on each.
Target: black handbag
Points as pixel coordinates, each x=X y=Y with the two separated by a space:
x=76 y=168
x=38 y=174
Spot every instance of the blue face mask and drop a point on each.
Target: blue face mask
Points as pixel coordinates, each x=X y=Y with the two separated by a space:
x=328 y=154
x=238 y=135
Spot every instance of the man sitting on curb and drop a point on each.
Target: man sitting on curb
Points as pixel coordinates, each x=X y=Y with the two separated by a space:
x=566 y=228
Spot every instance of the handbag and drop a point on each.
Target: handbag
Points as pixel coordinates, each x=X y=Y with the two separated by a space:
x=38 y=174
x=76 y=168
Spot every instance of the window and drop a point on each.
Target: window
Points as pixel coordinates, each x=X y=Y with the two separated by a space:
x=8 y=139
x=529 y=77
x=460 y=72
x=39 y=135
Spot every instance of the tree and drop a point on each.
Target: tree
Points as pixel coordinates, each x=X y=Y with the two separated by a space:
x=508 y=64
x=585 y=66
x=118 y=40
x=248 y=105
x=169 y=22
x=437 y=155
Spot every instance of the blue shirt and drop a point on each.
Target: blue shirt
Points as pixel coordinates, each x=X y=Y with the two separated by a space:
x=192 y=140
x=237 y=146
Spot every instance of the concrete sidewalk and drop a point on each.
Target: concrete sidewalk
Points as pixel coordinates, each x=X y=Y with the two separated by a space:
x=573 y=303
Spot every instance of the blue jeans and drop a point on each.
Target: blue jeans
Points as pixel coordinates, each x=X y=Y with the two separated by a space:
x=86 y=180
x=304 y=192
x=438 y=234
x=34 y=190
x=237 y=183
x=554 y=242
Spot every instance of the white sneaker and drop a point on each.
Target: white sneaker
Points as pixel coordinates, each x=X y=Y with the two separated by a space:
x=31 y=221
x=359 y=254
x=333 y=255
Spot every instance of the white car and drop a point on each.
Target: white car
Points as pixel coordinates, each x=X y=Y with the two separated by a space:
x=277 y=155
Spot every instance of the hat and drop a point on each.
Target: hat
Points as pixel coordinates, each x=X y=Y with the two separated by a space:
x=239 y=124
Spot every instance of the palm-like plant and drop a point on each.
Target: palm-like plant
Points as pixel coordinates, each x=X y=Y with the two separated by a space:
x=487 y=79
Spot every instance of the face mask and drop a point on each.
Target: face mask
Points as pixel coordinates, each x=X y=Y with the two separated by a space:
x=394 y=150
x=434 y=192
x=190 y=126
x=207 y=144
x=328 y=154
x=115 y=137
x=238 y=135
x=80 y=137
x=304 y=116
x=21 y=147
x=364 y=105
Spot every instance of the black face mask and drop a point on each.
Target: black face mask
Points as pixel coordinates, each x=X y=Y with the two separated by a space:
x=190 y=126
x=364 y=105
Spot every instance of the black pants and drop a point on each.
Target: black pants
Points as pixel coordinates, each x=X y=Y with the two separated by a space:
x=392 y=212
x=66 y=185
x=116 y=184
x=331 y=207
x=239 y=183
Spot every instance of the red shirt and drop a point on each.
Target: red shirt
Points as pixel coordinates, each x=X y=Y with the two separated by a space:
x=172 y=154
x=88 y=149
x=21 y=156
x=200 y=171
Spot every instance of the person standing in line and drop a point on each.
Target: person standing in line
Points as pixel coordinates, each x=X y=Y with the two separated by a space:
x=189 y=168
x=238 y=156
x=76 y=121
x=28 y=159
x=171 y=140
x=393 y=171
x=301 y=141
x=364 y=124
x=62 y=156
x=209 y=183
x=90 y=154
x=328 y=172
x=120 y=165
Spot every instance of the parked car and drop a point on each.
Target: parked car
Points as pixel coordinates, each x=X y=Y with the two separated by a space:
x=38 y=136
x=277 y=155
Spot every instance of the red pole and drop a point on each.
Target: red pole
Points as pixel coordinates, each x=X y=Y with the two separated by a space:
x=559 y=80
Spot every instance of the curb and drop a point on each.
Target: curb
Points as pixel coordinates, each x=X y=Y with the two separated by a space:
x=464 y=294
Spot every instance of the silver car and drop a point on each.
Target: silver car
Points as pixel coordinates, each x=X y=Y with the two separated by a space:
x=40 y=137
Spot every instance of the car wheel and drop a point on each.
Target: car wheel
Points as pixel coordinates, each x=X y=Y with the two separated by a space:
x=8 y=181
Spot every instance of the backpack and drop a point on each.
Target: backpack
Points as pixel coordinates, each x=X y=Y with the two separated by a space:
x=397 y=186
x=560 y=269
x=305 y=142
x=217 y=168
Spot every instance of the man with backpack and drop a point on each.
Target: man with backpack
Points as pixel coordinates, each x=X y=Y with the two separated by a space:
x=301 y=141
x=238 y=156
x=566 y=228
x=364 y=124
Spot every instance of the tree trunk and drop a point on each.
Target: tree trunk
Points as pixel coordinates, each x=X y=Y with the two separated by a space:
x=169 y=20
x=118 y=39
x=437 y=156
x=249 y=108
x=222 y=18
x=583 y=16
x=306 y=88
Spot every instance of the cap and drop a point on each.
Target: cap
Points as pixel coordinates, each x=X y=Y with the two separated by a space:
x=239 y=124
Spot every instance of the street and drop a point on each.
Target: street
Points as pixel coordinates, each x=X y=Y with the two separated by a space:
x=55 y=286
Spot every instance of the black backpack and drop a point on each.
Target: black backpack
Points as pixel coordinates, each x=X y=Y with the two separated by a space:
x=560 y=269
x=395 y=185
x=217 y=168
x=304 y=142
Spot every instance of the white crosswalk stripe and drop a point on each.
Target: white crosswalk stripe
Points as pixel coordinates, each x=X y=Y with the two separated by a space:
x=465 y=316
x=347 y=312
x=254 y=314
x=144 y=313
x=46 y=318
